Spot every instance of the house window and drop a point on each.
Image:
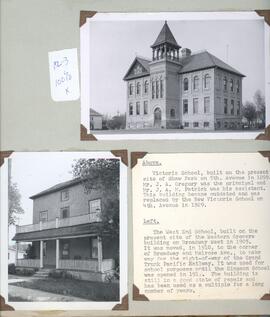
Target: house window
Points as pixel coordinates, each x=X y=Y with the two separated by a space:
x=131 y=109
x=157 y=89
x=238 y=86
x=146 y=87
x=185 y=106
x=225 y=83
x=195 y=124
x=196 y=83
x=172 y=113
x=153 y=90
x=130 y=89
x=238 y=108
x=44 y=248
x=65 y=250
x=231 y=84
x=94 y=248
x=232 y=106
x=43 y=216
x=64 y=195
x=225 y=106
x=145 y=107
x=207 y=81
x=186 y=124
x=95 y=208
x=195 y=105
x=137 y=108
x=161 y=88
x=185 y=84
x=206 y=124
x=64 y=212
x=206 y=104
x=138 y=88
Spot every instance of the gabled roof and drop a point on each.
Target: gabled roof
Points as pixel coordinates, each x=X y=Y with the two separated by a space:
x=165 y=36
x=144 y=62
x=94 y=113
x=57 y=187
x=204 y=60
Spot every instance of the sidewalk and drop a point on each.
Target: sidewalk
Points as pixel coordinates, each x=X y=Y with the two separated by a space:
x=32 y=295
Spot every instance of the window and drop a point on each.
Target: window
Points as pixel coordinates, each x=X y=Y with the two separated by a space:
x=130 y=89
x=64 y=212
x=64 y=195
x=131 y=109
x=238 y=108
x=146 y=87
x=185 y=84
x=185 y=106
x=138 y=88
x=219 y=82
x=153 y=90
x=157 y=89
x=94 y=248
x=44 y=248
x=161 y=88
x=225 y=106
x=207 y=81
x=195 y=105
x=231 y=84
x=196 y=83
x=206 y=124
x=95 y=208
x=218 y=124
x=43 y=216
x=172 y=113
x=65 y=250
x=186 y=124
x=195 y=124
x=232 y=106
x=206 y=104
x=238 y=86
x=225 y=124
x=145 y=107
x=225 y=83
x=137 y=108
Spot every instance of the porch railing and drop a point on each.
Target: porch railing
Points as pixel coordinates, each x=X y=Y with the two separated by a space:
x=65 y=222
x=108 y=265
x=88 y=265
x=28 y=262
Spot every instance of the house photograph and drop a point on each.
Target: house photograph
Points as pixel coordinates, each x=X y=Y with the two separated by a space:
x=175 y=75
x=64 y=213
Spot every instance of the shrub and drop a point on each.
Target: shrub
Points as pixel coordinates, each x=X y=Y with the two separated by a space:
x=25 y=271
x=60 y=274
x=11 y=268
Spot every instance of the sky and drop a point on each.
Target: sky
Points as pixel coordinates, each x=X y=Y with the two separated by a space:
x=115 y=44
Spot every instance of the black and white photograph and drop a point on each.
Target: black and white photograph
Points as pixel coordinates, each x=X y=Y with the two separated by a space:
x=174 y=74
x=64 y=228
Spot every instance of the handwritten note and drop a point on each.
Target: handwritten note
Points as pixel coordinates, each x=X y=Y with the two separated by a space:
x=64 y=75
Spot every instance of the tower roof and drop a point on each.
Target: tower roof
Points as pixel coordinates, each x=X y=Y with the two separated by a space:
x=165 y=36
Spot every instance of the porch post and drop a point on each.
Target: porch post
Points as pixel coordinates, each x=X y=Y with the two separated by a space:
x=17 y=252
x=41 y=254
x=57 y=254
x=99 y=245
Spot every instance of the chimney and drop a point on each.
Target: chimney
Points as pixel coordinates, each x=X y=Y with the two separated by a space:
x=185 y=52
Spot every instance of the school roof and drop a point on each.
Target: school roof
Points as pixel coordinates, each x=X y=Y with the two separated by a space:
x=165 y=36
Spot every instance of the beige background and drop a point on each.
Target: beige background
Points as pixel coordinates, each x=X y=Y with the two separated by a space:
x=32 y=121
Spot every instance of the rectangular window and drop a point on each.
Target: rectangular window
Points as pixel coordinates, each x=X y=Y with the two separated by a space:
x=195 y=124
x=64 y=195
x=186 y=124
x=157 y=89
x=232 y=106
x=153 y=90
x=64 y=212
x=206 y=104
x=238 y=108
x=131 y=109
x=195 y=105
x=145 y=107
x=94 y=248
x=161 y=88
x=137 y=108
x=185 y=106
x=65 y=249
x=43 y=216
x=95 y=209
x=206 y=124
x=225 y=106
x=238 y=86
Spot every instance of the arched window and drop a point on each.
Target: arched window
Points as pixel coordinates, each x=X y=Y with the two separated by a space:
x=138 y=88
x=146 y=86
x=153 y=90
x=231 y=84
x=225 y=83
x=207 y=81
x=130 y=109
x=172 y=113
x=161 y=88
x=196 y=83
x=157 y=89
x=130 y=89
x=185 y=84
x=238 y=86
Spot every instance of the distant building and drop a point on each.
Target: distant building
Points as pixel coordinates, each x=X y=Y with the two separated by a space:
x=95 y=120
x=191 y=90
x=12 y=252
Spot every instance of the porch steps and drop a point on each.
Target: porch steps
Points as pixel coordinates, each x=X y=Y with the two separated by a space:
x=42 y=273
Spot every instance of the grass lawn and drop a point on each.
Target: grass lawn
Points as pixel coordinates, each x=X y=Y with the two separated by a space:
x=94 y=291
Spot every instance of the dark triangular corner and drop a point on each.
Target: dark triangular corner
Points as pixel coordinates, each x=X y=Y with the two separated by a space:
x=3 y=155
x=264 y=136
x=123 y=305
x=265 y=297
x=265 y=154
x=3 y=305
x=265 y=14
x=84 y=15
x=85 y=136
x=135 y=156
x=137 y=296
x=123 y=154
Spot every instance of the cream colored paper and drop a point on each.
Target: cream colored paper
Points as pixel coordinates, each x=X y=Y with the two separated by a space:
x=201 y=226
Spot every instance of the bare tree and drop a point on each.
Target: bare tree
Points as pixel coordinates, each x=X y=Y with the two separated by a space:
x=14 y=203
